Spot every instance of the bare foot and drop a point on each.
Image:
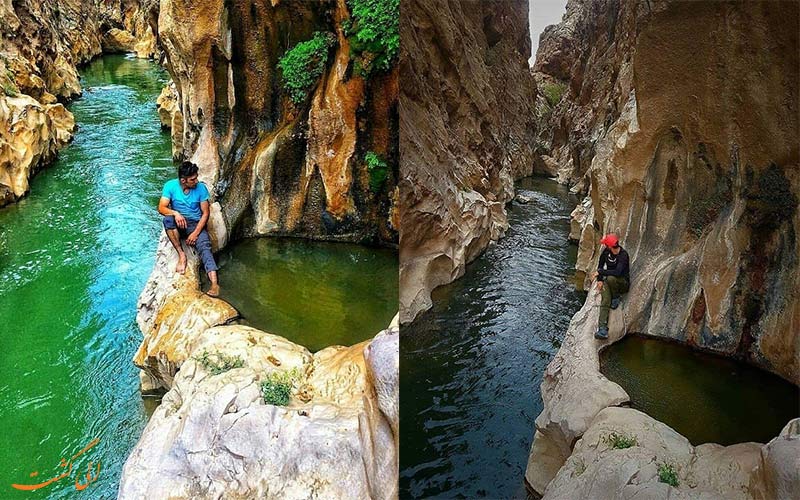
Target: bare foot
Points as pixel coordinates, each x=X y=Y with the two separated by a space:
x=213 y=291
x=181 y=267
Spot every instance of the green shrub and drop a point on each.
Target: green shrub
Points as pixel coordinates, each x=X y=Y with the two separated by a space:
x=276 y=387
x=378 y=171
x=374 y=34
x=667 y=474
x=303 y=64
x=553 y=92
x=218 y=362
x=620 y=441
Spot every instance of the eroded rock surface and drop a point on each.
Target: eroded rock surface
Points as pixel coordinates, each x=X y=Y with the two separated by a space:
x=278 y=167
x=686 y=146
x=41 y=45
x=571 y=456
x=213 y=436
x=466 y=134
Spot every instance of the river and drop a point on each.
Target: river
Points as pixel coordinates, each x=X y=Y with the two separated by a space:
x=472 y=365
x=76 y=253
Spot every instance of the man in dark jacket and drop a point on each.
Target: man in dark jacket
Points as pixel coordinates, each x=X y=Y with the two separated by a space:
x=613 y=279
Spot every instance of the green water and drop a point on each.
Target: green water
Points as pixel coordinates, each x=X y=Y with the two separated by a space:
x=75 y=255
x=707 y=398
x=313 y=293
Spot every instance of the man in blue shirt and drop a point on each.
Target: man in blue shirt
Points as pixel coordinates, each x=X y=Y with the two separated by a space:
x=184 y=205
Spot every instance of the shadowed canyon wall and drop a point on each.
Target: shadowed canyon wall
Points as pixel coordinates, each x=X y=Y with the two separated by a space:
x=466 y=133
x=278 y=166
x=679 y=122
x=41 y=44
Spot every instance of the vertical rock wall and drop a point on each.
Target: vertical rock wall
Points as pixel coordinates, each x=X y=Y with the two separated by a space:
x=680 y=123
x=278 y=167
x=466 y=133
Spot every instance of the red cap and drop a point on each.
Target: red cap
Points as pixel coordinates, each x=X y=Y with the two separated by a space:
x=610 y=240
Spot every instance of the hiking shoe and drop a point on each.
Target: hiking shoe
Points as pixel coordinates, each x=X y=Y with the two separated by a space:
x=615 y=303
x=601 y=333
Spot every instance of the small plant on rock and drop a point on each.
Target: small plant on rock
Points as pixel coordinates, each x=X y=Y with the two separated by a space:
x=620 y=441
x=218 y=362
x=374 y=34
x=667 y=474
x=553 y=92
x=276 y=387
x=378 y=171
x=304 y=63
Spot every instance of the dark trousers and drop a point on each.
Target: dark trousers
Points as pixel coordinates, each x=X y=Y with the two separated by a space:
x=203 y=244
x=613 y=286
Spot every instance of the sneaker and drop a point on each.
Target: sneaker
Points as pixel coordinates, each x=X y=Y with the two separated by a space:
x=615 y=303
x=602 y=333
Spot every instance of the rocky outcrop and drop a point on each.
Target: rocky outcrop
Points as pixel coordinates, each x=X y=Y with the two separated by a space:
x=169 y=113
x=41 y=45
x=572 y=457
x=213 y=436
x=31 y=133
x=686 y=146
x=465 y=135
x=278 y=166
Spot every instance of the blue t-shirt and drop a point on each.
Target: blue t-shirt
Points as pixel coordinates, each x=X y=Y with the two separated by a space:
x=188 y=204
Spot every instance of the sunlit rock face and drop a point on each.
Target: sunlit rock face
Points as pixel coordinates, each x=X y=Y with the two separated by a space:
x=41 y=43
x=216 y=436
x=680 y=124
x=467 y=129
x=278 y=167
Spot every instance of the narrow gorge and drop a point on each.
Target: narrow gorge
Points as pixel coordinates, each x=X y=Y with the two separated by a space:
x=290 y=110
x=676 y=123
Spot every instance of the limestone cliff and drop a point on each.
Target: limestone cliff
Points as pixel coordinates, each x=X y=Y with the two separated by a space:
x=279 y=164
x=41 y=45
x=679 y=121
x=466 y=125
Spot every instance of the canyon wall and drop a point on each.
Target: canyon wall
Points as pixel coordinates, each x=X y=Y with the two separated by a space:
x=679 y=122
x=466 y=126
x=41 y=45
x=278 y=164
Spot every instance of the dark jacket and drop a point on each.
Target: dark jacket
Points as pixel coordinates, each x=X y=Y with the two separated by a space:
x=614 y=265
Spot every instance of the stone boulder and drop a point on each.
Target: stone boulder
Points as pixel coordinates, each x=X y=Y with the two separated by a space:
x=213 y=436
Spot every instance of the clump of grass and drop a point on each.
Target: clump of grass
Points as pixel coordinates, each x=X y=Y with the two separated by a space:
x=218 y=362
x=553 y=92
x=620 y=441
x=276 y=387
x=378 y=171
x=303 y=64
x=667 y=474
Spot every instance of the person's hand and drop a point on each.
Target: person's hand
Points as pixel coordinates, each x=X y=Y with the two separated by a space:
x=600 y=285
x=192 y=238
x=180 y=220
x=594 y=275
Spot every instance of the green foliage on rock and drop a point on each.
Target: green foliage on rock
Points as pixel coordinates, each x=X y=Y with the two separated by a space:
x=374 y=34
x=303 y=64
x=218 y=362
x=553 y=92
x=620 y=441
x=667 y=474
x=378 y=171
x=276 y=387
